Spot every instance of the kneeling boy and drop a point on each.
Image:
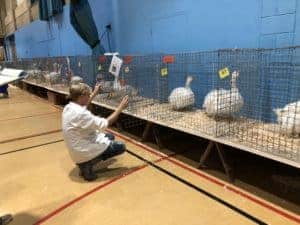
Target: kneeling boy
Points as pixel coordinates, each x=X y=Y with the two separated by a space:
x=84 y=132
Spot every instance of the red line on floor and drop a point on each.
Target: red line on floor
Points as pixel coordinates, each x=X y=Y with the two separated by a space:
x=62 y=208
x=213 y=180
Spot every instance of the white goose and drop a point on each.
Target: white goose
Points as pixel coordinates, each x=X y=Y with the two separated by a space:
x=182 y=97
x=54 y=77
x=289 y=119
x=223 y=103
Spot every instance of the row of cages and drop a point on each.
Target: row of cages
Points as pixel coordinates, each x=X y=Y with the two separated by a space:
x=247 y=96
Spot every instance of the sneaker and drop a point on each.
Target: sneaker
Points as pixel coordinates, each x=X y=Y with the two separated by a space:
x=101 y=165
x=5 y=219
x=87 y=173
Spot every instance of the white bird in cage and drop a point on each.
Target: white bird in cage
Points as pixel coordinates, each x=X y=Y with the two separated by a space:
x=35 y=75
x=121 y=89
x=182 y=97
x=223 y=103
x=289 y=119
x=106 y=86
x=76 y=80
x=54 y=77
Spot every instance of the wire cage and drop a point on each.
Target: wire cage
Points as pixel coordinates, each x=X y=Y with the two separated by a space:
x=137 y=79
x=249 y=97
x=271 y=111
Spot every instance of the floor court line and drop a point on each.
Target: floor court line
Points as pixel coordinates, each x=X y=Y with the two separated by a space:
x=214 y=180
x=70 y=203
x=200 y=190
x=31 y=147
x=30 y=136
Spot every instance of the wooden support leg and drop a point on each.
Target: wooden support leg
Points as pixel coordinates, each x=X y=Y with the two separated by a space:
x=151 y=126
x=206 y=154
x=148 y=127
x=25 y=86
x=120 y=125
x=224 y=161
x=222 y=156
x=157 y=137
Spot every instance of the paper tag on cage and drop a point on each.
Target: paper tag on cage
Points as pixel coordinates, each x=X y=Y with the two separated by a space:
x=164 y=72
x=223 y=73
x=115 y=66
x=99 y=67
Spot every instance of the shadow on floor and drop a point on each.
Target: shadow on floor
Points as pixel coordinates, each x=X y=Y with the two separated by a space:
x=23 y=219
x=102 y=170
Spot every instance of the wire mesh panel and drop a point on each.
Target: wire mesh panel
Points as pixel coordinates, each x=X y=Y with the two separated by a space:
x=191 y=77
x=59 y=72
x=270 y=114
x=134 y=80
x=246 y=96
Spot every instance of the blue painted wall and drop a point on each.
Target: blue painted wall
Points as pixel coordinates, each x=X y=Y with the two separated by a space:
x=280 y=21
x=145 y=27
x=57 y=37
x=186 y=25
x=193 y=25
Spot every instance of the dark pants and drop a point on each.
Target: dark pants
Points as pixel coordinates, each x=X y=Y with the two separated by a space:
x=3 y=89
x=115 y=148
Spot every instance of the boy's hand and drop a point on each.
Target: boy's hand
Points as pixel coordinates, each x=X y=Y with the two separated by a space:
x=97 y=88
x=124 y=103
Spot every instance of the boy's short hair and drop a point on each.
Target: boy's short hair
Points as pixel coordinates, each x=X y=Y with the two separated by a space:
x=77 y=90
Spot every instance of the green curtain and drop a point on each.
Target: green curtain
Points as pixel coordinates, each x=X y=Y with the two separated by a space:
x=83 y=23
x=49 y=8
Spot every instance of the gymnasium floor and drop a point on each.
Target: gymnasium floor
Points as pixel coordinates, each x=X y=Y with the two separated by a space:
x=40 y=185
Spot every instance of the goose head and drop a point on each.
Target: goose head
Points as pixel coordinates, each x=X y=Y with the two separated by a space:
x=234 y=77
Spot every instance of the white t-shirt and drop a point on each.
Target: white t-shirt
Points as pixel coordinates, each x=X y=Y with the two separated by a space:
x=83 y=133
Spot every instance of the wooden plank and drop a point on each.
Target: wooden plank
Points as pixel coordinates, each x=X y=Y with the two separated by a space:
x=23 y=19
x=22 y=8
x=34 y=10
x=9 y=18
x=1 y=53
x=10 y=28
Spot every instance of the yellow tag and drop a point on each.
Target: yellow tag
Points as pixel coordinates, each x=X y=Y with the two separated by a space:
x=164 y=71
x=223 y=73
x=99 y=67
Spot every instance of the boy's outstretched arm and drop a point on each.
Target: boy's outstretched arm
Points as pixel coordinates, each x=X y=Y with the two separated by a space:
x=94 y=93
x=114 y=116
